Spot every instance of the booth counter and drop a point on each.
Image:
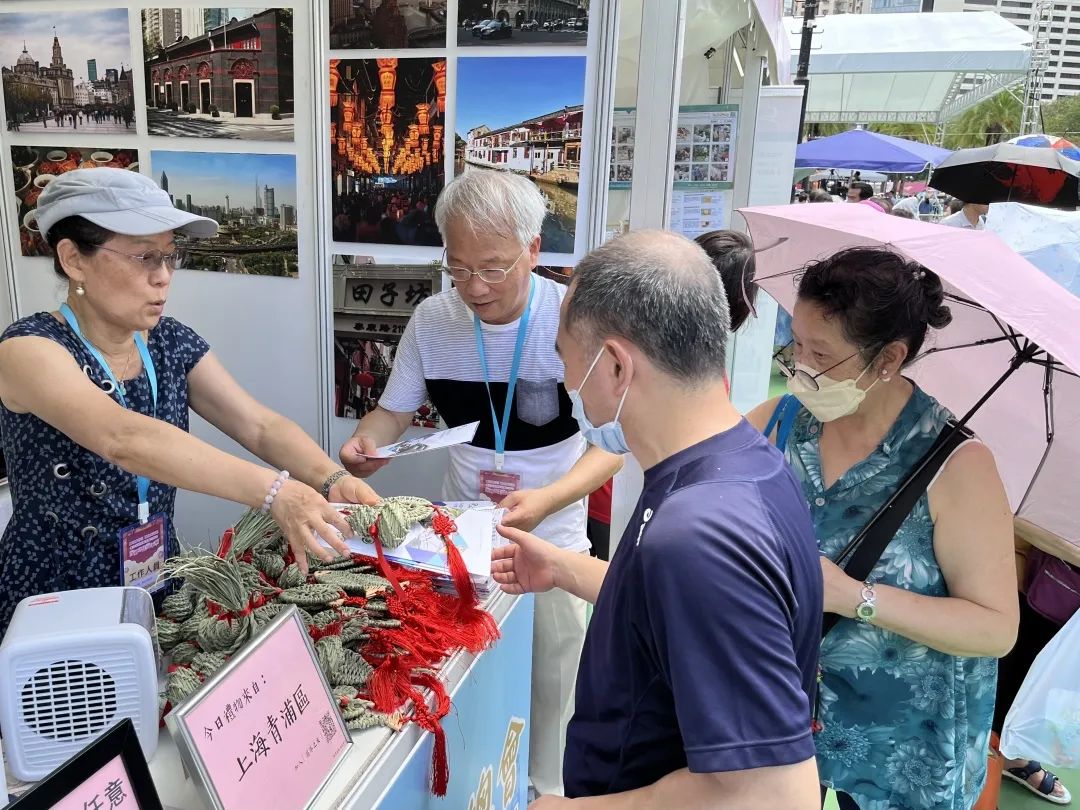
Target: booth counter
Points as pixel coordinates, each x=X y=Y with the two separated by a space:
x=487 y=736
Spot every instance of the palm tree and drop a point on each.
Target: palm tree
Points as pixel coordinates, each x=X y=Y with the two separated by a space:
x=992 y=121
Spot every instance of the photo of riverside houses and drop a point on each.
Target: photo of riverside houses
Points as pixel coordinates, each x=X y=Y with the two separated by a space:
x=524 y=115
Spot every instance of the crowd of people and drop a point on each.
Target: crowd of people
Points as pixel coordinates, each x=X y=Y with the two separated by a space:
x=74 y=117
x=926 y=204
x=386 y=217
x=730 y=661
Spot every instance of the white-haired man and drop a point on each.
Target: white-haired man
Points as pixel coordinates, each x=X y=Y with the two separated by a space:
x=485 y=351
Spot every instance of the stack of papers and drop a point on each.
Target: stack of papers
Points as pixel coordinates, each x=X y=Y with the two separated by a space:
x=425 y=550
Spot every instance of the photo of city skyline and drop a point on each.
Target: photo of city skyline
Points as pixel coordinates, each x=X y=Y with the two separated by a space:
x=391 y=24
x=224 y=72
x=68 y=72
x=253 y=197
x=524 y=114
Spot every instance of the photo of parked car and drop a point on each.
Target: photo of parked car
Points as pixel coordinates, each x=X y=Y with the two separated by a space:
x=497 y=30
x=516 y=22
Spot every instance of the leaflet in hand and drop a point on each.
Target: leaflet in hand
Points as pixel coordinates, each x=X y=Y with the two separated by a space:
x=434 y=441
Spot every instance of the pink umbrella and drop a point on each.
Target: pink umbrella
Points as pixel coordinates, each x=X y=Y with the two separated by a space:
x=1008 y=361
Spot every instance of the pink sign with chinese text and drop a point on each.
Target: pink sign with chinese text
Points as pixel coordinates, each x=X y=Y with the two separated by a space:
x=107 y=789
x=268 y=733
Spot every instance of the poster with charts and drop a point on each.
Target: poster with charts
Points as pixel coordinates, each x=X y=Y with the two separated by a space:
x=698 y=211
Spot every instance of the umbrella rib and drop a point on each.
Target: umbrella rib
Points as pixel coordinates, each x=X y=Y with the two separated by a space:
x=1056 y=365
x=1010 y=334
x=983 y=342
x=1048 y=412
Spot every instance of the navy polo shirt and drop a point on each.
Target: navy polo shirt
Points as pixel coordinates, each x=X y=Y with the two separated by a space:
x=702 y=651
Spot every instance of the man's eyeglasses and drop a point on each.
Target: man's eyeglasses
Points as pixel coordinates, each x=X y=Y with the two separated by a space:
x=462 y=275
x=151 y=260
x=785 y=360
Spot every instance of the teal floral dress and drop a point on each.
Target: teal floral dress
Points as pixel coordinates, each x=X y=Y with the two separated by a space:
x=905 y=727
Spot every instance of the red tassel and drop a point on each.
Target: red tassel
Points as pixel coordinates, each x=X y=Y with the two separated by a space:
x=440 y=765
x=431 y=720
x=384 y=565
x=462 y=579
x=226 y=543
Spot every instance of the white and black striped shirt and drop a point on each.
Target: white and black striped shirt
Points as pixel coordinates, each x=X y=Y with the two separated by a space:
x=437 y=358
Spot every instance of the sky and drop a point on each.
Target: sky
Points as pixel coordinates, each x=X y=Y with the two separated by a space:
x=503 y=90
x=209 y=176
x=101 y=35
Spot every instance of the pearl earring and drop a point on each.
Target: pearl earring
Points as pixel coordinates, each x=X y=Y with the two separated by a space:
x=80 y=290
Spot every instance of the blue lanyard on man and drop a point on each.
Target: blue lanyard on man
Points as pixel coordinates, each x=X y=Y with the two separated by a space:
x=500 y=430
x=142 y=482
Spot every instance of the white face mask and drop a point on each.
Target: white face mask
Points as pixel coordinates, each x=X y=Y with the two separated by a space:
x=834 y=399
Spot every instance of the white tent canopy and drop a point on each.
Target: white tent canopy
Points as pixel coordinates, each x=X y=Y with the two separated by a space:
x=908 y=68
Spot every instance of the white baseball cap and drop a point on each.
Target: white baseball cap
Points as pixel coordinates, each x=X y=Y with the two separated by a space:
x=122 y=201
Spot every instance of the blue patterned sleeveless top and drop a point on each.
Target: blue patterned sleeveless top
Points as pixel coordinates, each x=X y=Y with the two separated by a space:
x=905 y=727
x=69 y=503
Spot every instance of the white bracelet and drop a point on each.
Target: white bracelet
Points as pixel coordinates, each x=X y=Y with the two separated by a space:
x=275 y=488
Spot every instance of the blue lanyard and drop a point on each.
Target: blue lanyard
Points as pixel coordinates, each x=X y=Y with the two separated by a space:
x=142 y=482
x=523 y=328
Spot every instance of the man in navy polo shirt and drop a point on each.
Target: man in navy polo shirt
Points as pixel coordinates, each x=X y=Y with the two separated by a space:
x=699 y=669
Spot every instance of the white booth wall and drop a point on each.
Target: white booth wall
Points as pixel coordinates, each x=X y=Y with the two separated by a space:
x=675 y=72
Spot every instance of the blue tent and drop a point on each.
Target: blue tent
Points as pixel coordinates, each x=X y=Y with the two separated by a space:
x=862 y=149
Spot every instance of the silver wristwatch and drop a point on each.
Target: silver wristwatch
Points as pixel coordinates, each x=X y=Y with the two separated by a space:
x=867 y=610
x=330 y=481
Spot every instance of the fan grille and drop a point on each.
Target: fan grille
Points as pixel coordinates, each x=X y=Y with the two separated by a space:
x=69 y=700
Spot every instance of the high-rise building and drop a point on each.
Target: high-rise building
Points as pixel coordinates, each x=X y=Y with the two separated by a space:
x=187 y=199
x=164 y=182
x=163 y=25
x=112 y=75
x=91 y=69
x=215 y=17
x=288 y=217
x=827 y=7
x=1062 y=75
x=191 y=22
x=268 y=201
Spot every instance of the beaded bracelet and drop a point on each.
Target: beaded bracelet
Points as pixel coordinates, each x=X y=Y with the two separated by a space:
x=275 y=488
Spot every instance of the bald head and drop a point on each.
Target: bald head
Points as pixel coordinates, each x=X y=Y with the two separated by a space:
x=659 y=291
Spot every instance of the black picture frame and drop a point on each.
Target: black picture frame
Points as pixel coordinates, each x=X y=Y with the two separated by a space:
x=120 y=741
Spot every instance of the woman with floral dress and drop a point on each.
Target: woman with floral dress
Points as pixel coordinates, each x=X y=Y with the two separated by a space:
x=95 y=400
x=907 y=696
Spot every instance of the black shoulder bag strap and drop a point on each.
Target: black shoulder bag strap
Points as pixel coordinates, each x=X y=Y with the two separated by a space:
x=863 y=553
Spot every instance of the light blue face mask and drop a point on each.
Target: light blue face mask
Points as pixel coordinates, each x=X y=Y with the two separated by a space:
x=608 y=436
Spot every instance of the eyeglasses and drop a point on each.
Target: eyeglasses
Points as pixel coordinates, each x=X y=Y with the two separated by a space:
x=153 y=259
x=787 y=367
x=462 y=275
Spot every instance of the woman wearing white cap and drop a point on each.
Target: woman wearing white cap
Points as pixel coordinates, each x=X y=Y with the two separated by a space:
x=95 y=400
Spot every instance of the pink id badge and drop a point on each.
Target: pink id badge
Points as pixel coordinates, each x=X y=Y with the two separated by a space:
x=142 y=553
x=497 y=485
